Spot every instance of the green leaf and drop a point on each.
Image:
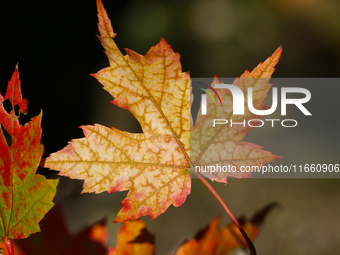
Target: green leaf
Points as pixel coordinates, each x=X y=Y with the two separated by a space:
x=25 y=197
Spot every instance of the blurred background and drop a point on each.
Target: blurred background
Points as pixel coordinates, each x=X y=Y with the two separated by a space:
x=56 y=47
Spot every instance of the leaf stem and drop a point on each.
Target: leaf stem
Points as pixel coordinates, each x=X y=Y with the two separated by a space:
x=9 y=246
x=219 y=199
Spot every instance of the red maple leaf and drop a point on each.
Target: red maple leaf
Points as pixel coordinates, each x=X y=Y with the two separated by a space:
x=25 y=197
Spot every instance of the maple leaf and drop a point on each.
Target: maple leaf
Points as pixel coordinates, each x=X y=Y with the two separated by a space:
x=216 y=241
x=133 y=239
x=222 y=145
x=155 y=165
x=25 y=197
x=56 y=239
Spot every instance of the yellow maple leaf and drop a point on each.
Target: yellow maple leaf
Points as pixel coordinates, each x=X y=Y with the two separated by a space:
x=155 y=165
x=222 y=145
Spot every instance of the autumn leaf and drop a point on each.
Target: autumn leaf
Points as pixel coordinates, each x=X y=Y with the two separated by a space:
x=155 y=165
x=215 y=241
x=204 y=243
x=223 y=145
x=56 y=239
x=133 y=239
x=25 y=196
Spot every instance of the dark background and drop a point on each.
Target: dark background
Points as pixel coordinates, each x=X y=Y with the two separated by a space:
x=56 y=47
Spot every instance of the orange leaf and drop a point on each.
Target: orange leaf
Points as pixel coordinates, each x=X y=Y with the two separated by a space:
x=205 y=242
x=133 y=239
x=216 y=241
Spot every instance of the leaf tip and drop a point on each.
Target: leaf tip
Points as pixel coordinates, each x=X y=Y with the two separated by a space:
x=278 y=51
x=99 y=4
x=95 y=75
x=104 y=23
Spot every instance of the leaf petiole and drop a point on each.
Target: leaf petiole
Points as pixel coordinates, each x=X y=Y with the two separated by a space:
x=9 y=246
